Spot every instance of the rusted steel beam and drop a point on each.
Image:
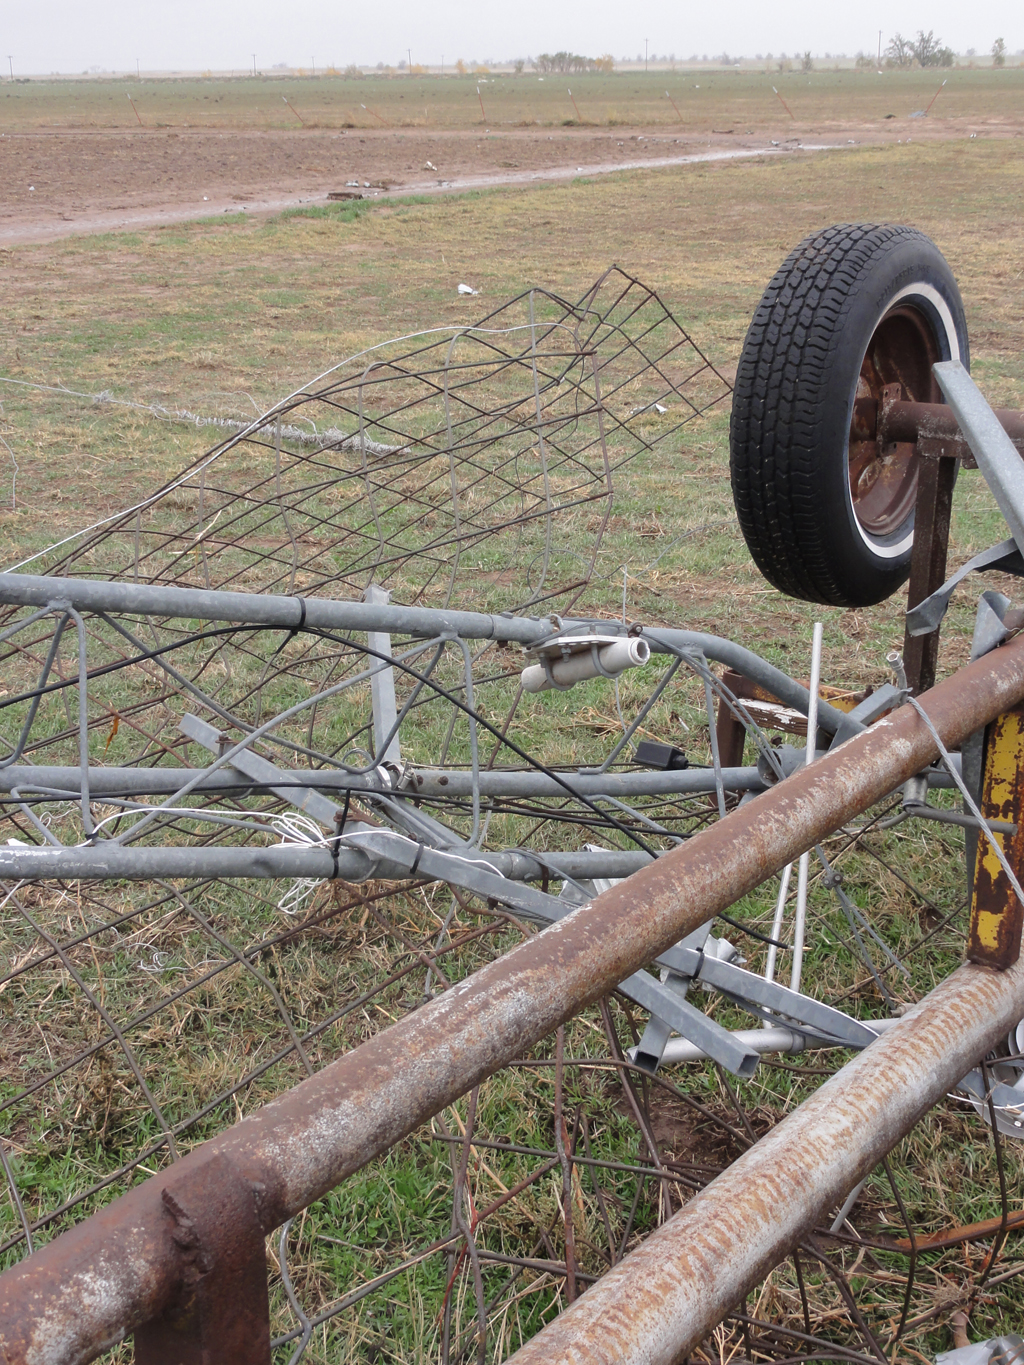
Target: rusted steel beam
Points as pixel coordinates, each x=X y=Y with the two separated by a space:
x=730 y=731
x=669 y=1294
x=934 y=508
x=996 y=913
x=112 y=1273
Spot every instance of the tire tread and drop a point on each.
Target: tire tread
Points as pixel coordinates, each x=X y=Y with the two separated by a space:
x=778 y=403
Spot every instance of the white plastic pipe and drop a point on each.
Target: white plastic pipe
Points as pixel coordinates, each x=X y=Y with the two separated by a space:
x=803 y=869
x=615 y=658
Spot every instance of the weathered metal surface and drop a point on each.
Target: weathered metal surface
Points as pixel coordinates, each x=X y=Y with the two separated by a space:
x=902 y=421
x=766 y=709
x=669 y=1294
x=438 y=782
x=928 y=564
x=66 y=1302
x=996 y=913
x=997 y=457
x=220 y=1314
x=85 y=862
x=320 y=613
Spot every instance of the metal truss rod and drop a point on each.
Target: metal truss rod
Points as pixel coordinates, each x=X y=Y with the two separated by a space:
x=66 y=1303
x=145 y=862
x=294 y=613
x=430 y=782
x=763 y=1040
x=671 y=1293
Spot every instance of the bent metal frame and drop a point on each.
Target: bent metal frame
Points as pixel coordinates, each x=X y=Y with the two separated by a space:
x=180 y=1261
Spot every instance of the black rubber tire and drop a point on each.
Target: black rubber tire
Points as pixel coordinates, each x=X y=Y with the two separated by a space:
x=793 y=405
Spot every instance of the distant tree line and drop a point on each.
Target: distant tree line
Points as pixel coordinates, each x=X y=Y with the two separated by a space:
x=570 y=63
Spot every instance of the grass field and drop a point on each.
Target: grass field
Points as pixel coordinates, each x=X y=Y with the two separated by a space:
x=704 y=99
x=223 y=317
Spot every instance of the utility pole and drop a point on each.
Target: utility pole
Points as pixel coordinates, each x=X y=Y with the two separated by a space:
x=138 y=73
x=408 y=52
x=645 y=54
x=254 y=63
x=11 y=61
x=879 y=47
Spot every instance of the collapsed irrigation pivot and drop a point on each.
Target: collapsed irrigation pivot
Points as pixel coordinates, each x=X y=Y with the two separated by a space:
x=415 y=950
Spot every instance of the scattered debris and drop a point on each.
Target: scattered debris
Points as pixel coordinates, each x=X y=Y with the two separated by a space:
x=465 y=289
x=343 y=194
x=429 y=166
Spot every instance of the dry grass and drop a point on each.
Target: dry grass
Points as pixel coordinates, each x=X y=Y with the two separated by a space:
x=223 y=318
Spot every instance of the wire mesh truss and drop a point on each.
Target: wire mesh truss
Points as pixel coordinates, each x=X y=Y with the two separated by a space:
x=468 y=464
x=872 y=770
x=144 y=1015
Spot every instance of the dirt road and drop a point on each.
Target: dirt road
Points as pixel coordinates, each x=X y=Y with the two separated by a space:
x=64 y=182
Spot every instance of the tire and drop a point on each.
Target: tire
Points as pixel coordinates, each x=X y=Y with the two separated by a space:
x=853 y=308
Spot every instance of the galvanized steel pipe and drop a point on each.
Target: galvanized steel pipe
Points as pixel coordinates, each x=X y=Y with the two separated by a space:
x=440 y=783
x=145 y=862
x=65 y=1303
x=668 y=1295
x=292 y=613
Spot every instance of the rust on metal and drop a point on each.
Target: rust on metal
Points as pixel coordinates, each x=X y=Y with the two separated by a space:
x=658 y=1304
x=928 y=564
x=953 y=1237
x=731 y=732
x=68 y=1301
x=769 y=712
x=902 y=421
x=221 y=1312
x=996 y=913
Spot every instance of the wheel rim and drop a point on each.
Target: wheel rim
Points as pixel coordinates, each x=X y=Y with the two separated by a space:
x=883 y=481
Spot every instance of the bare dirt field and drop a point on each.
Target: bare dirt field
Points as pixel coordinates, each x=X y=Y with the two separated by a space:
x=73 y=160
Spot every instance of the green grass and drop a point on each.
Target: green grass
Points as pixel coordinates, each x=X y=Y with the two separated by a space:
x=726 y=99
x=223 y=318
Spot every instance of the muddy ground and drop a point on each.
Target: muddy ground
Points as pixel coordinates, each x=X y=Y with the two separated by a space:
x=63 y=182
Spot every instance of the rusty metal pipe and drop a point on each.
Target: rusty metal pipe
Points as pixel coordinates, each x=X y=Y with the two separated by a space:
x=669 y=1294
x=121 y=1267
x=902 y=421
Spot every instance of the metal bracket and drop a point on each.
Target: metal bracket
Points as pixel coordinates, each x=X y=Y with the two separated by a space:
x=221 y=1313
x=883 y=699
x=1003 y=558
x=249 y=764
x=418 y=824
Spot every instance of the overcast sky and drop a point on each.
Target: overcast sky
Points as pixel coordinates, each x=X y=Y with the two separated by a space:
x=70 y=36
